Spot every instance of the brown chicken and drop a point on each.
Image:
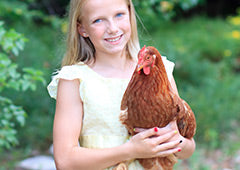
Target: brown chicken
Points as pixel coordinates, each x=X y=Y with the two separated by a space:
x=149 y=101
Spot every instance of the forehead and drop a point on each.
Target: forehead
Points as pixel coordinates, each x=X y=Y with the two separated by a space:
x=94 y=8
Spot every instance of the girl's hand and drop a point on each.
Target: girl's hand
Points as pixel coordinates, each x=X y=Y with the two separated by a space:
x=173 y=125
x=186 y=146
x=155 y=142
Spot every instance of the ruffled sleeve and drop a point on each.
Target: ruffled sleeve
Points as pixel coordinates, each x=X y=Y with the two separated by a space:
x=169 y=66
x=67 y=72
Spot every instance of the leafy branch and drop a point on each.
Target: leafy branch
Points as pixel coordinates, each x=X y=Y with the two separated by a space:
x=15 y=78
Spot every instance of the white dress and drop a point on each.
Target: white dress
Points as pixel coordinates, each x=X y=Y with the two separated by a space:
x=101 y=98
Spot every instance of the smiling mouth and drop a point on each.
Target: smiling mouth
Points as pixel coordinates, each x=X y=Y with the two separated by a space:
x=114 y=39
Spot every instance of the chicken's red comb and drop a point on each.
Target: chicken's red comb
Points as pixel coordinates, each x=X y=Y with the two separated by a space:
x=142 y=51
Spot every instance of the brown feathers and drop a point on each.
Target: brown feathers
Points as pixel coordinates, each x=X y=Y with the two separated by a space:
x=149 y=101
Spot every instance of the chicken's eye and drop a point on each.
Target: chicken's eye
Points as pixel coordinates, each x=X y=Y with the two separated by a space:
x=148 y=57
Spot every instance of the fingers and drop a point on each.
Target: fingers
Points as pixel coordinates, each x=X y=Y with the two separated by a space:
x=153 y=131
x=167 y=146
x=149 y=143
x=165 y=130
x=163 y=138
x=157 y=136
x=172 y=125
x=146 y=133
x=168 y=152
x=138 y=130
x=164 y=148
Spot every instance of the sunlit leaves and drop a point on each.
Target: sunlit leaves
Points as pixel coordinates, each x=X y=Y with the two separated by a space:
x=164 y=8
x=12 y=77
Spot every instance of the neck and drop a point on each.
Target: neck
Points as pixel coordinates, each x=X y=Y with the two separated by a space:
x=118 y=61
x=114 y=66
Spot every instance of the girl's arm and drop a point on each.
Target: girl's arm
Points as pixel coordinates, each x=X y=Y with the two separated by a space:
x=67 y=127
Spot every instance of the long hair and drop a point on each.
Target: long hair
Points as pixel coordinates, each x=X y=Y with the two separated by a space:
x=82 y=49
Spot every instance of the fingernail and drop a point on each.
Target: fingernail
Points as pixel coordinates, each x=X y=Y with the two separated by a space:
x=180 y=141
x=179 y=150
x=175 y=132
x=156 y=129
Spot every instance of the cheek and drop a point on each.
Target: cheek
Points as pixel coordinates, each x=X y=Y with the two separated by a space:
x=96 y=32
x=125 y=25
x=126 y=29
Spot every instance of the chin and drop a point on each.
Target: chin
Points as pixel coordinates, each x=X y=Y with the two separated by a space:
x=117 y=50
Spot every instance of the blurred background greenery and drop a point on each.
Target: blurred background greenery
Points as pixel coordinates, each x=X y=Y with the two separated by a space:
x=202 y=37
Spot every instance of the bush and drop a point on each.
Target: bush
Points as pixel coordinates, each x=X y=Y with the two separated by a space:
x=11 y=77
x=44 y=34
x=154 y=10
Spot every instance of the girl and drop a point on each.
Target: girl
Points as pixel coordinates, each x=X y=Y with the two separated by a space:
x=100 y=59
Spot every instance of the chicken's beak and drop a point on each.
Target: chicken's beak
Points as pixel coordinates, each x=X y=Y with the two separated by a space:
x=140 y=67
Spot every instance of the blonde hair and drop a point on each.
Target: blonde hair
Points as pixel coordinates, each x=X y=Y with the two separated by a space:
x=82 y=49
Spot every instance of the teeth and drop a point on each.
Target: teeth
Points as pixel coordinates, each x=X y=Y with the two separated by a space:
x=115 y=39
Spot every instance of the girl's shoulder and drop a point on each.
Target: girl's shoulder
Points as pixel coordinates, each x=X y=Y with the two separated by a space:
x=68 y=72
x=167 y=63
x=169 y=66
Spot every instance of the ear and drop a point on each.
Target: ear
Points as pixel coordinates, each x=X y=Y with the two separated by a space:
x=81 y=30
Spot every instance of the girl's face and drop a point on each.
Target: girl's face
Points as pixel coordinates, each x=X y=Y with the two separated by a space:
x=107 y=24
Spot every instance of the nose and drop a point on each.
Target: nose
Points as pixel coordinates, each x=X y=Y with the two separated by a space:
x=112 y=27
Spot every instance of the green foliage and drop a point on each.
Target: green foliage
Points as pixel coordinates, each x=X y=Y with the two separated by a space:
x=44 y=51
x=10 y=115
x=153 y=10
x=11 y=43
x=19 y=10
x=16 y=9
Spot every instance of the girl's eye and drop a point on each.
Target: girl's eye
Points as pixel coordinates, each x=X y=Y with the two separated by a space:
x=97 y=21
x=119 y=15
